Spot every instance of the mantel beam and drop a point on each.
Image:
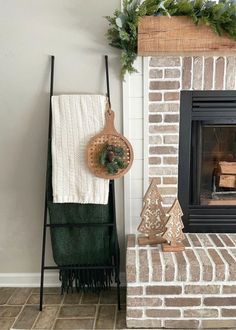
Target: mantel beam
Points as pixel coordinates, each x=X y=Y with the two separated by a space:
x=178 y=35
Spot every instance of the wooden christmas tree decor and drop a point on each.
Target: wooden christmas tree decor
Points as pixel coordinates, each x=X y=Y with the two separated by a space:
x=174 y=234
x=153 y=217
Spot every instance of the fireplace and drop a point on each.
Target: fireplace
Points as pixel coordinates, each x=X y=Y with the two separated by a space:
x=207 y=160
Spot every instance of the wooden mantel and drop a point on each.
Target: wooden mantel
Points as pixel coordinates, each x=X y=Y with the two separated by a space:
x=179 y=35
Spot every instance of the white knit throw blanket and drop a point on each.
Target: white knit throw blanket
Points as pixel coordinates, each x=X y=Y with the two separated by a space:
x=75 y=119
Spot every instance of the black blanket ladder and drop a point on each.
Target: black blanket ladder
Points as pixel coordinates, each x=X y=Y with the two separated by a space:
x=116 y=262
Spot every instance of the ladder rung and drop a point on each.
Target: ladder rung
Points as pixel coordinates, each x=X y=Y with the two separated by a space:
x=79 y=267
x=80 y=225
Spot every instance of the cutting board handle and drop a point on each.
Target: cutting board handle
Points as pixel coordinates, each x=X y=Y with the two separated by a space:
x=109 y=124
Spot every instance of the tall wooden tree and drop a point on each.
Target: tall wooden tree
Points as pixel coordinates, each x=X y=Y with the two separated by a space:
x=153 y=216
x=174 y=234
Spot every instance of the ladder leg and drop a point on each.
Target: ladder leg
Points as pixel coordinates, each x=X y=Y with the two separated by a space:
x=118 y=293
x=117 y=248
x=46 y=187
x=43 y=260
x=118 y=272
x=41 y=291
x=117 y=268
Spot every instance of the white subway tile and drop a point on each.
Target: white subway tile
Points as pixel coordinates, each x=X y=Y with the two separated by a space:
x=136 y=85
x=136 y=188
x=137 y=169
x=136 y=107
x=138 y=149
x=136 y=129
x=136 y=206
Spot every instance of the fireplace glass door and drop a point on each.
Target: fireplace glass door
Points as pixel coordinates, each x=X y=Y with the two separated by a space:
x=213 y=164
x=207 y=160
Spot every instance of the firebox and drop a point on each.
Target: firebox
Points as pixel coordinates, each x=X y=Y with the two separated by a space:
x=207 y=160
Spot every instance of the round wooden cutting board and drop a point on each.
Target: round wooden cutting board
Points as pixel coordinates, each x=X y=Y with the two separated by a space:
x=110 y=136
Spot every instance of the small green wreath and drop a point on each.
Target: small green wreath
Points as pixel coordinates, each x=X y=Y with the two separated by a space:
x=123 y=25
x=111 y=157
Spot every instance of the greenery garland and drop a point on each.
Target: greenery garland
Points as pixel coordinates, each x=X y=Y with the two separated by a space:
x=123 y=25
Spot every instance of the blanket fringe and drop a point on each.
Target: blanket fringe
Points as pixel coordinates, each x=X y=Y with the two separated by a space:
x=85 y=279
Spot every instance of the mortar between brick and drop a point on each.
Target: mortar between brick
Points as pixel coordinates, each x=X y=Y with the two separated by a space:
x=182 y=284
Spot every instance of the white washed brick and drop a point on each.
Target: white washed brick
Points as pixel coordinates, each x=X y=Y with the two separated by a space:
x=191 y=302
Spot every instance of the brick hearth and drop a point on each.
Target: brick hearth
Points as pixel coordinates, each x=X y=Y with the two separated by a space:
x=191 y=289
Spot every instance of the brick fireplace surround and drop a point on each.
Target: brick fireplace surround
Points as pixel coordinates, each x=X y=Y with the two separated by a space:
x=188 y=290
x=167 y=77
x=195 y=288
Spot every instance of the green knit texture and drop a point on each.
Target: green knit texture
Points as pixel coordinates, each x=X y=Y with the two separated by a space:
x=84 y=245
x=81 y=246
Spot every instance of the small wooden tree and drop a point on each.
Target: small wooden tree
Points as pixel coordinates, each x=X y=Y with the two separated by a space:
x=174 y=234
x=153 y=217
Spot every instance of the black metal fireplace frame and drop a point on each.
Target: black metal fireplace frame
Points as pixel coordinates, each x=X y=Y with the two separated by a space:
x=217 y=107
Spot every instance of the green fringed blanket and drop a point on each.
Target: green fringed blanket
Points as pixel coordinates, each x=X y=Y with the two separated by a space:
x=82 y=246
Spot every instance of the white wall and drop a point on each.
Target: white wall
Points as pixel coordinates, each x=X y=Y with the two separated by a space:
x=29 y=31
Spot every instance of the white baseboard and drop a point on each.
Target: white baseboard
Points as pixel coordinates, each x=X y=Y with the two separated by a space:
x=28 y=279
x=51 y=279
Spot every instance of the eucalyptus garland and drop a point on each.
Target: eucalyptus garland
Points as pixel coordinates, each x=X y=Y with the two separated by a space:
x=111 y=157
x=123 y=25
